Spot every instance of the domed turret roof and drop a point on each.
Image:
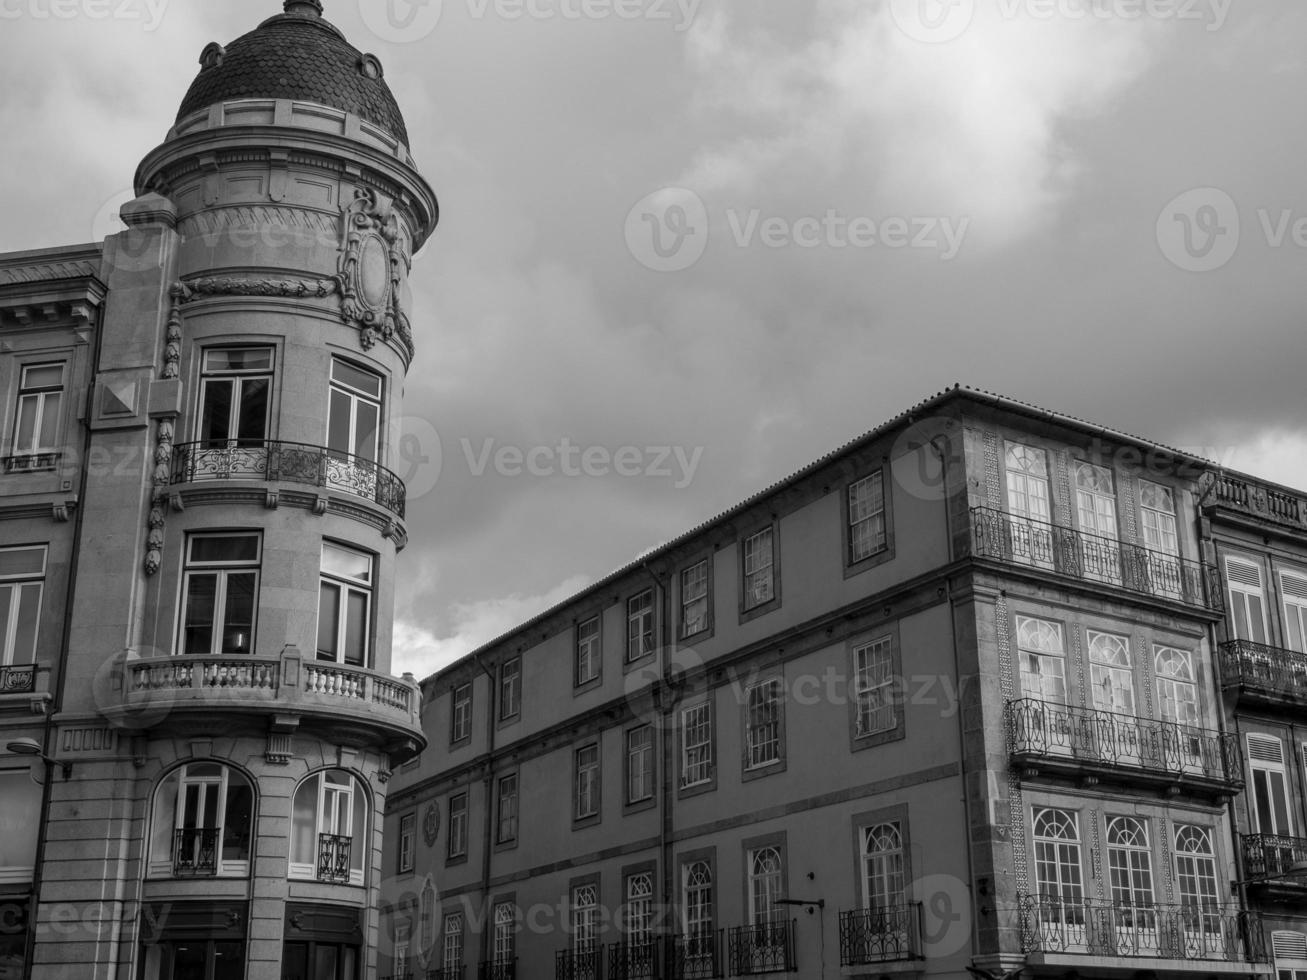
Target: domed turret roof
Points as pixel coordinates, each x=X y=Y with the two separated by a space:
x=297 y=55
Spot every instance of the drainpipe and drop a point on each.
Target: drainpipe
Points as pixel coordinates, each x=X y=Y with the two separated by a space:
x=488 y=836
x=662 y=704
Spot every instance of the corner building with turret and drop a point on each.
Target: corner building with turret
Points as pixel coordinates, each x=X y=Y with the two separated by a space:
x=198 y=534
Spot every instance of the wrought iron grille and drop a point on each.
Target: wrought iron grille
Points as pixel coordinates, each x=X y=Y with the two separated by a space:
x=1270 y=670
x=333 y=858
x=18 y=680
x=1045 y=729
x=579 y=964
x=696 y=957
x=764 y=948
x=634 y=961
x=32 y=462
x=1180 y=932
x=195 y=851
x=497 y=970
x=880 y=935
x=1267 y=855
x=446 y=973
x=997 y=534
x=289 y=462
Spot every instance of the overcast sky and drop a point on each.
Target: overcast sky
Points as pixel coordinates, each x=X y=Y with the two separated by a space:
x=1093 y=206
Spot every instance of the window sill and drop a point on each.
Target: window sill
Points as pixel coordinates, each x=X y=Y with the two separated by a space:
x=584 y=823
x=586 y=686
x=697 y=789
x=860 y=742
x=762 y=609
x=639 y=806
x=763 y=771
x=456 y=860
x=875 y=560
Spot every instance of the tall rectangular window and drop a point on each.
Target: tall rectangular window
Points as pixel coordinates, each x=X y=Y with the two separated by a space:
x=354 y=413
x=344 y=605
x=585 y=917
x=22 y=579
x=873 y=664
x=1195 y=869
x=1130 y=865
x=36 y=421
x=1157 y=507
x=1247 y=599
x=762 y=733
x=694 y=599
x=1293 y=586
x=766 y=885
x=639 y=908
x=1058 y=867
x=882 y=865
x=696 y=745
x=460 y=713
x=586 y=796
x=1028 y=504
x=452 y=955
x=759 y=569
x=697 y=910
x=1111 y=673
x=640 y=764
x=406 y=827
x=867 y=517
x=506 y=810
x=510 y=688
x=505 y=934
x=235 y=391
x=1043 y=659
x=219 y=586
x=457 y=843
x=639 y=626
x=588 y=651
x=1270 y=791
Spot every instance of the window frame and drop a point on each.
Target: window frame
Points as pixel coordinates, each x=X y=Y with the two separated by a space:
x=1270 y=769
x=861 y=824
x=23 y=391
x=1061 y=657
x=649 y=614
x=510 y=708
x=348 y=586
x=749 y=848
x=751 y=610
x=852 y=564
x=446 y=933
x=19 y=582
x=223 y=570
x=356 y=396
x=460 y=714
x=595 y=909
x=164 y=868
x=359 y=810
x=456 y=842
x=707 y=630
x=648 y=769
x=859 y=740
x=587 y=773
x=628 y=874
x=1238 y=594
x=502 y=903
x=407 y=841
x=237 y=377
x=501 y=841
x=749 y=769
x=591 y=647
x=709 y=782
x=686 y=861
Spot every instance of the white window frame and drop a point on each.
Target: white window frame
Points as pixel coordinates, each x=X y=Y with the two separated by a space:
x=328 y=803
x=15 y=587
x=507 y=809
x=697 y=755
x=639 y=908
x=759 y=565
x=355 y=397
x=766 y=884
x=222 y=570
x=589 y=650
x=694 y=594
x=1029 y=503
x=161 y=865
x=407 y=826
x=346 y=586
x=503 y=940
x=639 y=626
x=510 y=688
x=1157 y=508
x=1035 y=648
x=38 y=396
x=868 y=533
x=586 y=801
x=873 y=665
x=1129 y=862
x=1242 y=596
x=1111 y=669
x=1294 y=600
x=884 y=884
x=639 y=764
x=460 y=713
x=456 y=846
x=585 y=917
x=764 y=724
x=697 y=883
x=452 y=953
x=1273 y=772
x=237 y=379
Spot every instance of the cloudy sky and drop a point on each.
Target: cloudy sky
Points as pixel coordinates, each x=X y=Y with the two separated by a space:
x=709 y=240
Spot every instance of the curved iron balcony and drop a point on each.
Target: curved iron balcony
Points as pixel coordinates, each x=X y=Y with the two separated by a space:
x=1081 y=742
x=1273 y=857
x=1267 y=674
x=1092 y=558
x=151 y=691
x=289 y=462
x=880 y=935
x=1051 y=924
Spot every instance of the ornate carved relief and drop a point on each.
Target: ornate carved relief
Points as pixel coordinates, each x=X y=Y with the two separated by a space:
x=230 y=286
x=172 y=353
x=371 y=269
x=312 y=224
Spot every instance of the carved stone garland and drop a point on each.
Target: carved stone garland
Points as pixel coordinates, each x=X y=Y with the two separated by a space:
x=172 y=353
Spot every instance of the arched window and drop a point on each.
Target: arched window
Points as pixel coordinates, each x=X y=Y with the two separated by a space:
x=882 y=856
x=698 y=904
x=765 y=876
x=329 y=826
x=203 y=822
x=1129 y=863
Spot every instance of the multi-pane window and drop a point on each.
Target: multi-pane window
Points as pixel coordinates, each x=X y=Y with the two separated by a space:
x=759 y=568
x=1290 y=951
x=585 y=917
x=203 y=822
x=1157 y=508
x=219 y=587
x=36 y=422
x=505 y=935
x=1195 y=867
x=697 y=899
x=403 y=934
x=587 y=782
x=451 y=958
x=1057 y=857
x=510 y=688
x=457 y=844
x=639 y=908
x=506 y=810
x=867 y=517
x=354 y=414
x=766 y=885
x=1247 y=599
x=640 y=764
x=235 y=390
x=460 y=713
x=1129 y=862
x=344 y=605
x=873 y=665
x=1176 y=686
x=1293 y=586
x=22 y=579
x=762 y=732
x=1028 y=503
x=696 y=745
x=882 y=865
x=407 y=824
x=329 y=828
x=1110 y=673
x=694 y=599
x=587 y=651
x=1096 y=508
x=639 y=626
x=1271 y=811
x=1043 y=659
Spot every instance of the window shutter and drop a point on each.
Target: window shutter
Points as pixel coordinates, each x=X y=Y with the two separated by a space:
x=1289 y=945
x=1243 y=572
x=1294 y=585
x=1264 y=748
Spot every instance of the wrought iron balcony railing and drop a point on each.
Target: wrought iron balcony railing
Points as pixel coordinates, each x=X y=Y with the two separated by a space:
x=289 y=462
x=1272 y=856
x=1090 y=557
x=446 y=973
x=764 y=948
x=638 y=960
x=579 y=964
x=333 y=858
x=1086 y=739
x=497 y=970
x=1264 y=671
x=195 y=851
x=880 y=935
x=18 y=680
x=1179 y=932
x=696 y=957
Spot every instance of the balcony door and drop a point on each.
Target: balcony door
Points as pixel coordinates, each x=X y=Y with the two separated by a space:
x=1100 y=554
x=1247 y=599
x=234 y=396
x=1060 y=902
x=1270 y=791
x=1177 y=694
x=767 y=918
x=1131 y=928
x=1028 y=504
x=1294 y=589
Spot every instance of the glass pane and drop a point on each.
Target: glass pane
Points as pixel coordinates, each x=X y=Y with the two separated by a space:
x=228 y=961
x=43 y=376
x=348 y=963
x=364 y=381
x=188 y=960
x=324 y=963
x=191 y=805
x=356 y=627
x=215 y=414
x=22 y=561
x=360 y=826
x=238 y=621
x=25 y=429
x=210 y=805
x=365 y=430
x=239 y=359
x=201 y=595
x=304 y=839
x=236 y=821
x=344 y=563
x=295 y=962
x=328 y=621
x=338 y=421
x=225 y=548
x=29 y=614
x=251 y=425
x=165 y=819
x=50 y=420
